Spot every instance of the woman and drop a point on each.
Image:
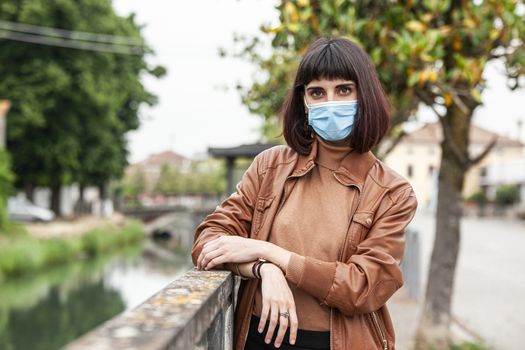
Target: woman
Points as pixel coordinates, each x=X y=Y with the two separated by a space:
x=316 y=229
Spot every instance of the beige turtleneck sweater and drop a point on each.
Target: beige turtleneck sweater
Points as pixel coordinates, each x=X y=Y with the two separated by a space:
x=312 y=222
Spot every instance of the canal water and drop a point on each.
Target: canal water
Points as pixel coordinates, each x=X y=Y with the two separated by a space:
x=49 y=310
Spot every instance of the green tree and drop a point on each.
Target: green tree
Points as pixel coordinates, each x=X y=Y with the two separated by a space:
x=134 y=184
x=170 y=181
x=70 y=108
x=6 y=180
x=205 y=177
x=426 y=52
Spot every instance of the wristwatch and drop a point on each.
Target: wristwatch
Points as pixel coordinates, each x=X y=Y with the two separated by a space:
x=256 y=267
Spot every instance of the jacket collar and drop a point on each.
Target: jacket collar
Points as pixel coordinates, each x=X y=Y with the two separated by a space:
x=352 y=171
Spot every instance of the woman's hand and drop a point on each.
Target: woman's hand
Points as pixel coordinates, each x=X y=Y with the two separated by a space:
x=277 y=298
x=230 y=249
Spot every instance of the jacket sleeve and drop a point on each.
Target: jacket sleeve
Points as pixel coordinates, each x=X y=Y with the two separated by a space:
x=371 y=275
x=233 y=216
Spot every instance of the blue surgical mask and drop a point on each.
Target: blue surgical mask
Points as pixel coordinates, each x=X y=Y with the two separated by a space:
x=332 y=120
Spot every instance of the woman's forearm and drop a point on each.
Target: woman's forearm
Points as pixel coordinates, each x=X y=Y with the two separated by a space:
x=244 y=270
x=277 y=255
x=271 y=252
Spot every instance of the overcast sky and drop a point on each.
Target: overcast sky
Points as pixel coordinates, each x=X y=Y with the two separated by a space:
x=195 y=112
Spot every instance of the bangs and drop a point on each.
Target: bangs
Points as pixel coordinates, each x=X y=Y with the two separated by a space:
x=327 y=61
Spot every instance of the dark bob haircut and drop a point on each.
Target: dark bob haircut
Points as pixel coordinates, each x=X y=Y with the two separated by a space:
x=337 y=58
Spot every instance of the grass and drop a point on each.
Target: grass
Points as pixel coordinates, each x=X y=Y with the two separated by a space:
x=468 y=346
x=21 y=254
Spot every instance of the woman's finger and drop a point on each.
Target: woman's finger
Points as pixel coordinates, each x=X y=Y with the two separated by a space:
x=216 y=261
x=208 y=247
x=199 y=260
x=209 y=256
x=283 y=325
x=264 y=316
x=274 y=315
x=294 y=324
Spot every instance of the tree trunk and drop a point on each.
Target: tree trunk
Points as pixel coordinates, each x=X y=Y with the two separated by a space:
x=434 y=328
x=29 y=190
x=103 y=193
x=55 y=199
x=81 y=206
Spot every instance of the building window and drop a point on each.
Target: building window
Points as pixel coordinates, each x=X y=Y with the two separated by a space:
x=409 y=170
x=483 y=171
x=430 y=170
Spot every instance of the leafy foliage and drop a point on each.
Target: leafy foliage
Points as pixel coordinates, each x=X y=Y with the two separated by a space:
x=70 y=108
x=25 y=254
x=133 y=185
x=477 y=197
x=206 y=177
x=507 y=194
x=6 y=180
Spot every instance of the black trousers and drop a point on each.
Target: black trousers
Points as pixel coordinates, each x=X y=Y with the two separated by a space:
x=305 y=340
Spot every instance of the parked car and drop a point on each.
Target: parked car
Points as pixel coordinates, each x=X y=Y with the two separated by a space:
x=21 y=209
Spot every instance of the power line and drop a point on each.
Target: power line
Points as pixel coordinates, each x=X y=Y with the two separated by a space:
x=71 y=39
x=69 y=34
x=35 y=39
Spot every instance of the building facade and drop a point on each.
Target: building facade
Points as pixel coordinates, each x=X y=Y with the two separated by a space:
x=417 y=157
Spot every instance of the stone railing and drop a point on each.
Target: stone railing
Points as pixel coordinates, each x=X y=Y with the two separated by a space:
x=193 y=312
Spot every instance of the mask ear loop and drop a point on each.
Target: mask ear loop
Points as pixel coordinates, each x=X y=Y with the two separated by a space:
x=307 y=129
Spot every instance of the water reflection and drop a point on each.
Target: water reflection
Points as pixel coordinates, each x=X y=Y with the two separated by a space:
x=48 y=310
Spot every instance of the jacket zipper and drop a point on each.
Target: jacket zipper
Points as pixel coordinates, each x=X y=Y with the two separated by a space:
x=380 y=329
x=341 y=253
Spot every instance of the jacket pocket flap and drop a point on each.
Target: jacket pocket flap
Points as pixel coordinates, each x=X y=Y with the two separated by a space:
x=364 y=218
x=263 y=203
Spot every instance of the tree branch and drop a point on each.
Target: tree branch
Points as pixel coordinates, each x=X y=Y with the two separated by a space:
x=479 y=157
x=428 y=101
x=393 y=145
x=461 y=105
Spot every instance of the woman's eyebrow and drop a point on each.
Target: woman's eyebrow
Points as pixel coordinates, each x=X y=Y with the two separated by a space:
x=314 y=87
x=346 y=84
x=338 y=85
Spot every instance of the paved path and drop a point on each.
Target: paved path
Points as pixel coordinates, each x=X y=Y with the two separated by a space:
x=489 y=296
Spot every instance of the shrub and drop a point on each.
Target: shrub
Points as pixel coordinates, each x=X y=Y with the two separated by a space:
x=468 y=346
x=21 y=254
x=477 y=197
x=507 y=194
x=6 y=180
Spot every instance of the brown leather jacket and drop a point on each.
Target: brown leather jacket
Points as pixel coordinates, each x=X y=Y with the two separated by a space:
x=367 y=272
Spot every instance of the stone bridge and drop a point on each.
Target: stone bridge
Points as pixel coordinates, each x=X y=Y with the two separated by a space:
x=193 y=312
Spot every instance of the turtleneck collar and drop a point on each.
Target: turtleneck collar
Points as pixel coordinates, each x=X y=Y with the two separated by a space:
x=330 y=155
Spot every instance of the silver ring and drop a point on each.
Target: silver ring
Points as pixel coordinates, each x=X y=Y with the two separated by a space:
x=284 y=314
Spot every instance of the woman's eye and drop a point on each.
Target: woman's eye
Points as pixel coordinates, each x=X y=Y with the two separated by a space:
x=316 y=93
x=345 y=90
